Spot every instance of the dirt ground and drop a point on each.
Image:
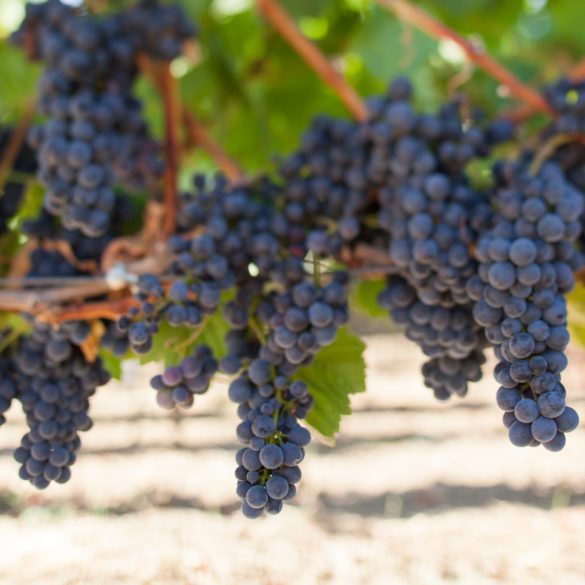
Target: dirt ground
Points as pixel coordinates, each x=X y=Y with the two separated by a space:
x=413 y=492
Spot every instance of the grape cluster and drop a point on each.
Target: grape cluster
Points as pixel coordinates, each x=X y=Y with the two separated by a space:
x=239 y=231
x=178 y=385
x=95 y=135
x=280 y=316
x=526 y=269
x=54 y=382
x=447 y=335
x=269 y=406
x=350 y=172
x=398 y=182
x=299 y=323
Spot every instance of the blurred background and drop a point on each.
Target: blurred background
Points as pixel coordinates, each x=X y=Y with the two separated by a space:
x=413 y=491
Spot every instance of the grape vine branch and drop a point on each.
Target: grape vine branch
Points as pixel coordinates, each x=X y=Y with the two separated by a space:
x=416 y=16
x=285 y=26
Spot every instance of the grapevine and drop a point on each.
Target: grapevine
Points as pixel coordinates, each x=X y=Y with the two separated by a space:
x=249 y=276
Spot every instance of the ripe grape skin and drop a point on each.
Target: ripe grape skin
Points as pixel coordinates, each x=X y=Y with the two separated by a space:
x=544 y=429
x=568 y=420
x=557 y=443
x=277 y=487
x=551 y=404
x=520 y=434
x=256 y=497
x=271 y=456
x=526 y=411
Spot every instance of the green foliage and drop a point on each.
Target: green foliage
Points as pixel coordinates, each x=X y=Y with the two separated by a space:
x=18 y=82
x=171 y=344
x=364 y=297
x=338 y=371
x=112 y=363
x=14 y=322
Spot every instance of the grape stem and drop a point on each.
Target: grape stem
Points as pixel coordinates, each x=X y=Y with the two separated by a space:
x=196 y=133
x=412 y=14
x=257 y=329
x=172 y=109
x=549 y=148
x=15 y=301
x=285 y=26
x=110 y=309
x=180 y=347
x=316 y=271
x=576 y=74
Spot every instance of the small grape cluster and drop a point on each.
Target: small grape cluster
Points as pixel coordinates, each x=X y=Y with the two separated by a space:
x=183 y=304
x=178 y=385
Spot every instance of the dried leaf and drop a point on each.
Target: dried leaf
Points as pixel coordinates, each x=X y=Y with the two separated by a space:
x=91 y=346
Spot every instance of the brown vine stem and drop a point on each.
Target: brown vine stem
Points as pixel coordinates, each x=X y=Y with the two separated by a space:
x=17 y=282
x=196 y=133
x=19 y=300
x=15 y=143
x=524 y=112
x=577 y=72
x=172 y=107
x=418 y=17
x=111 y=309
x=282 y=22
x=199 y=135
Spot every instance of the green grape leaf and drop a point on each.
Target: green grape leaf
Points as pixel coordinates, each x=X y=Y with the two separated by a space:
x=338 y=371
x=19 y=81
x=112 y=363
x=364 y=297
x=171 y=344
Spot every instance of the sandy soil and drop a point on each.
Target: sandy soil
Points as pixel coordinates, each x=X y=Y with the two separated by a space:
x=413 y=492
